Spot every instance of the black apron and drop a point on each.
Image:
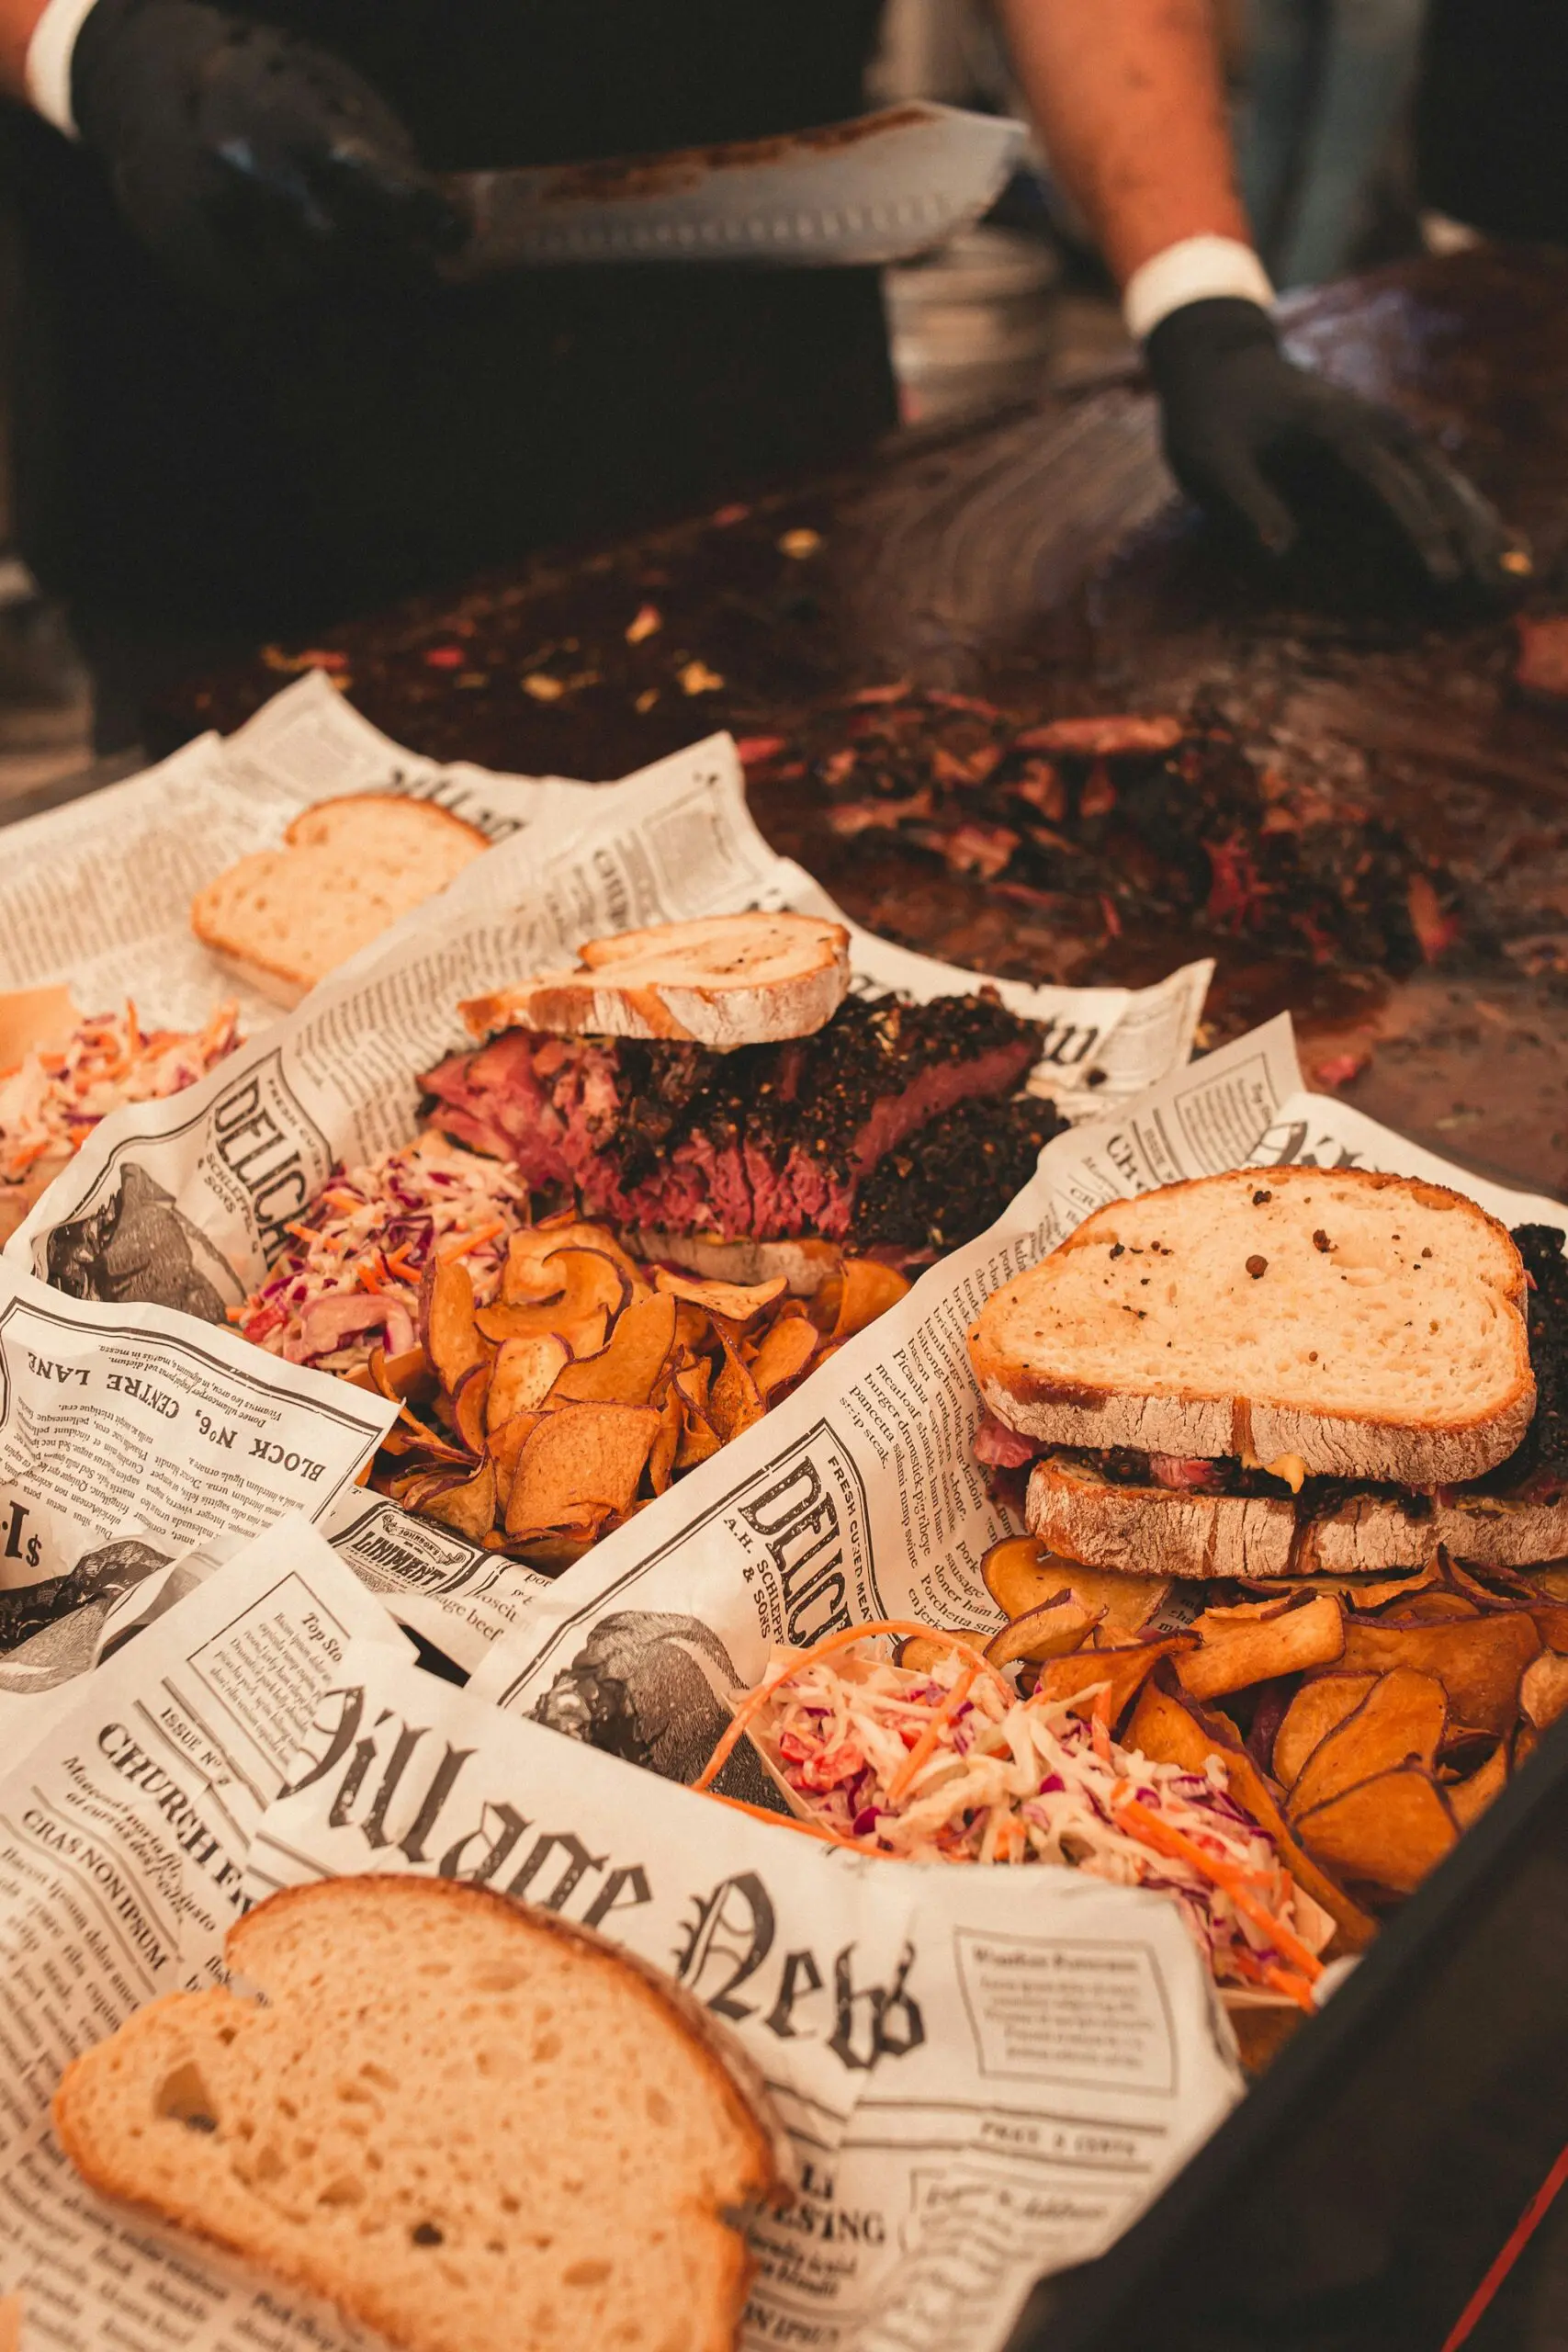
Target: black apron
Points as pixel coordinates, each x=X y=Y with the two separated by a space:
x=168 y=477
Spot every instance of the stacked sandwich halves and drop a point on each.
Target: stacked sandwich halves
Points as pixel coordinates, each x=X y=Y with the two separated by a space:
x=1279 y=1372
x=715 y=1090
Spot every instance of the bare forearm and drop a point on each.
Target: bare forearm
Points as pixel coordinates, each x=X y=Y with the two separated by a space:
x=1131 y=99
x=18 y=19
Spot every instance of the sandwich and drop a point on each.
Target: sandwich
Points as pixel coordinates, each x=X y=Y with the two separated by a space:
x=1285 y=1372
x=715 y=1090
x=469 y=2123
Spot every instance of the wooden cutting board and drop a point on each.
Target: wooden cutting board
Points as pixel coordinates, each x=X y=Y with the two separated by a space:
x=1040 y=560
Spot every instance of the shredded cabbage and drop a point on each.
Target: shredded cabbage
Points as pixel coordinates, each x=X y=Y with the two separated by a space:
x=52 y=1100
x=348 y=1282
x=942 y=1767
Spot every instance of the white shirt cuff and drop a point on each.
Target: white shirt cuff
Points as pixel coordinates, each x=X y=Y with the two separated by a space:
x=1195 y=270
x=50 y=52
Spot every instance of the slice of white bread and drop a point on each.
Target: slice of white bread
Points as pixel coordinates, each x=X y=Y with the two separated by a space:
x=1368 y=1326
x=470 y=2125
x=725 y=982
x=1154 y=1530
x=805 y=1263
x=282 y=918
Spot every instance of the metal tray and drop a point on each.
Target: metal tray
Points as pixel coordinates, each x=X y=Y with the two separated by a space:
x=1357 y=2197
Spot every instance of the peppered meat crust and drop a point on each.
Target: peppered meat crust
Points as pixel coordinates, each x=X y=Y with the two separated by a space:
x=767 y=1141
x=953 y=1178
x=1150 y=822
x=813 y=1093
x=1542 y=1453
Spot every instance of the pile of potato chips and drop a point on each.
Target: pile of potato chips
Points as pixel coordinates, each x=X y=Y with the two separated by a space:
x=535 y=1425
x=1364 y=1722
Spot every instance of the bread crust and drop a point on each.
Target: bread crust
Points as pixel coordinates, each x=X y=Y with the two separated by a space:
x=768 y=2164
x=1150 y=1531
x=621 y=991
x=1155 y=1530
x=270 y=980
x=1503 y=1531
x=805 y=1262
x=1210 y=1423
x=312 y=826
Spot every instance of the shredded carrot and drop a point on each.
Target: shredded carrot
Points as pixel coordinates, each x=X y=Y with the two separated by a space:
x=475 y=1240
x=1099 y=1723
x=1279 y=1980
x=900 y=1785
x=132 y=1030
x=751 y=1706
x=807 y=1829
x=1148 y=1826
x=306 y=1233
x=372 y=1271
x=1285 y=1980
x=398 y=1263
x=25 y=1154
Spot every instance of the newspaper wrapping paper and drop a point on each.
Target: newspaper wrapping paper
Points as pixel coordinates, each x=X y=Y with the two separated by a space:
x=124 y=1835
x=859 y=1497
x=129 y=1435
x=985 y=2075
x=184 y=1202
x=98 y=894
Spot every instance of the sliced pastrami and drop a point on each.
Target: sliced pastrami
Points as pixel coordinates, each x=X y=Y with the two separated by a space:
x=766 y=1143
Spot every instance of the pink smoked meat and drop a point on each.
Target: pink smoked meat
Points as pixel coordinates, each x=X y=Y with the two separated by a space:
x=1184 y=1476
x=1001 y=1448
x=766 y=1142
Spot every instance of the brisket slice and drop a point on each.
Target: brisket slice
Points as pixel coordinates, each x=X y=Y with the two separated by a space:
x=953 y=1176
x=766 y=1142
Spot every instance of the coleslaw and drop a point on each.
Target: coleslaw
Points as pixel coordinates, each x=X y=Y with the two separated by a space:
x=53 y=1098
x=954 y=1766
x=349 y=1280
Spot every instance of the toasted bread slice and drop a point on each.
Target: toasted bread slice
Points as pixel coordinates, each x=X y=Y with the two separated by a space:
x=1370 y=1327
x=1503 y=1531
x=1153 y=1531
x=282 y=918
x=726 y=981
x=471 y=2125
x=805 y=1263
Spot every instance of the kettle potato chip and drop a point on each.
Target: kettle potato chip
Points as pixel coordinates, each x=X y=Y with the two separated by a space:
x=1386 y=1833
x=1401 y=1717
x=1311 y=1715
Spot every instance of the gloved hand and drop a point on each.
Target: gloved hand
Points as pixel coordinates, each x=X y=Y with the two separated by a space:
x=1249 y=436
x=255 y=166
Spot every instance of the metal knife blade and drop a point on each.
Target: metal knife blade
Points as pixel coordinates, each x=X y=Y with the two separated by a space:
x=876 y=189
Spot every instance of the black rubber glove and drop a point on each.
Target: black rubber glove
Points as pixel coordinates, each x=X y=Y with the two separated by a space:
x=1258 y=440
x=255 y=166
